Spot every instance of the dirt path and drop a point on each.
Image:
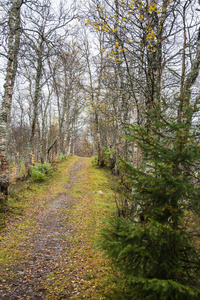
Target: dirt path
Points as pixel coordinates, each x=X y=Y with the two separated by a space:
x=46 y=245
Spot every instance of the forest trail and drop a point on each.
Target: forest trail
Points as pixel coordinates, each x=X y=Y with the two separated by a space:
x=54 y=257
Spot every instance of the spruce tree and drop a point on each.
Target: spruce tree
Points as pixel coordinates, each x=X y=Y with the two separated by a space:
x=152 y=247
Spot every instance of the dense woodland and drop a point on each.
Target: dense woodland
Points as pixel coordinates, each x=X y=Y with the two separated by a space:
x=118 y=79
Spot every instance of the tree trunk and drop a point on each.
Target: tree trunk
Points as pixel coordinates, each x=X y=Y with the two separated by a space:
x=13 y=48
x=37 y=94
x=154 y=60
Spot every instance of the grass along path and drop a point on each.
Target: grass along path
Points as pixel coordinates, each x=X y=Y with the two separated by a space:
x=49 y=252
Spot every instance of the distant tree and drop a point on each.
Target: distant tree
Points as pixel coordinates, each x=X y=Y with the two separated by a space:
x=43 y=28
x=83 y=145
x=67 y=73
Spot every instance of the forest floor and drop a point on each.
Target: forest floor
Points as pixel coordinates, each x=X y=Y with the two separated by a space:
x=49 y=249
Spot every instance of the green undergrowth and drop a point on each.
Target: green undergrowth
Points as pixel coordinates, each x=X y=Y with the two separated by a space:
x=40 y=172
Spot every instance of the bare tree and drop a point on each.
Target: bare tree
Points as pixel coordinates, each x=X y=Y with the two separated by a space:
x=42 y=31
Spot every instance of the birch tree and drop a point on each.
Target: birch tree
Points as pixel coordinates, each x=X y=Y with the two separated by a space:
x=12 y=56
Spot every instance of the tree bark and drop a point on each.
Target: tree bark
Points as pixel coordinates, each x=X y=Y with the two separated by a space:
x=13 y=48
x=37 y=93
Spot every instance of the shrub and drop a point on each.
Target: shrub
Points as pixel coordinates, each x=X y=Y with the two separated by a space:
x=108 y=158
x=94 y=161
x=44 y=168
x=38 y=173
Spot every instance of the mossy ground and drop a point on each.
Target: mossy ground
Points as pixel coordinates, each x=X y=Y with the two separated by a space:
x=83 y=268
x=87 y=266
x=25 y=194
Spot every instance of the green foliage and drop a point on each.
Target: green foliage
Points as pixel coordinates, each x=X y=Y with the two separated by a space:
x=149 y=257
x=165 y=186
x=151 y=248
x=39 y=172
x=94 y=161
x=62 y=156
x=151 y=289
x=108 y=157
x=44 y=168
x=22 y=169
x=135 y=288
x=36 y=175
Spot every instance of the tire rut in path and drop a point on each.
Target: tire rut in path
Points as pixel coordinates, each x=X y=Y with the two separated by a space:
x=48 y=243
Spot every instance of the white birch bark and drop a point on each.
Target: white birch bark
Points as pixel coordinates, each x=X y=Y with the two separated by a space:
x=13 y=47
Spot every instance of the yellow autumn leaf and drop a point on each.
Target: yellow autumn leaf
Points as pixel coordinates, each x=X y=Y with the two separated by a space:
x=151 y=35
x=141 y=17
